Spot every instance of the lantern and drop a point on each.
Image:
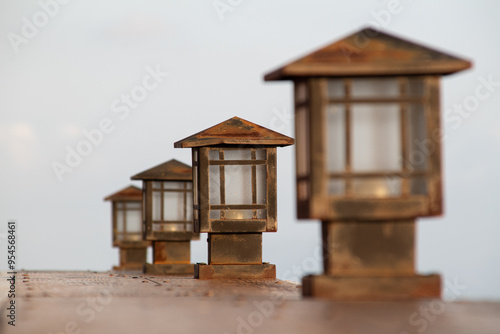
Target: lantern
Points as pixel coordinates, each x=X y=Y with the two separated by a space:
x=234 y=184
x=368 y=159
x=168 y=217
x=126 y=228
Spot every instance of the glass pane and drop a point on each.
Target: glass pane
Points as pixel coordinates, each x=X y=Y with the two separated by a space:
x=260 y=154
x=119 y=221
x=133 y=205
x=189 y=206
x=418 y=186
x=156 y=185
x=302 y=143
x=177 y=227
x=156 y=205
x=238 y=214
x=415 y=87
x=173 y=206
x=377 y=88
x=237 y=154
x=336 y=88
x=119 y=205
x=336 y=187
x=238 y=184
x=189 y=185
x=336 y=145
x=261 y=181
x=376 y=137
x=213 y=154
x=214 y=176
x=189 y=227
x=134 y=221
x=214 y=214
x=378 y=187
x=134 y=237
x=262 y=214
x=418 y=151
x=173 y=185
x=301 y=92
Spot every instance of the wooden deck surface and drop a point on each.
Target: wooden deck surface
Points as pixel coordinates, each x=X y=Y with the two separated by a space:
x=106 y=303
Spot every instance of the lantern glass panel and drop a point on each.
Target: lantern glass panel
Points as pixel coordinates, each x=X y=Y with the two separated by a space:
x=173 y=205
x=336 y=135
x=417 y=134
x=261 y=183
x=238 y=214
x=156 y=205
x=376 y=137
x=238 y=184
x=237 y=155
x=119 y=222
x=173 y=185
x=377 y=187
x=336 y=88
x=336 y=187
x=379 y=87
x=214 y=176
x=134 y=221
x=156 y=185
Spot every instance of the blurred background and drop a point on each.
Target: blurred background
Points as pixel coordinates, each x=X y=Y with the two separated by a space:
x=68 y=66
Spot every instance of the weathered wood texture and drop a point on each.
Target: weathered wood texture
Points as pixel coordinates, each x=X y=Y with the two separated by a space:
x=89 y=302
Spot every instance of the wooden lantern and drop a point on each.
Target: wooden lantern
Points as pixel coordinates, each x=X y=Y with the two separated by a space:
x=126 y=220
x=368 y=159
x=234 y=184
x=168 y=217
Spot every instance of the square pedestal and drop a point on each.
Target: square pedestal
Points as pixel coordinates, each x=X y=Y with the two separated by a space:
x=231 y=271
x=180 y=269
x=347 y=288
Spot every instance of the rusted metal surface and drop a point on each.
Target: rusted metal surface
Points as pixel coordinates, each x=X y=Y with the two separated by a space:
x=372 y=288
x=369 y=249
x=235 y=131
x=131 y=193
x=235 y=271
x=369 y=52
x=234 y=248
x=87 y=302
x=133 y=257
x=172 y=251
x=172 y=170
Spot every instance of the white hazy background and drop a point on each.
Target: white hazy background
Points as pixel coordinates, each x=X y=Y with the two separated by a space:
x=65 y=77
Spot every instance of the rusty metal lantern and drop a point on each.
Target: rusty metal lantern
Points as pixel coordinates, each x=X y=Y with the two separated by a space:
x=234 y=184
x=126 y=210
x=167 y=217
x=368 y=159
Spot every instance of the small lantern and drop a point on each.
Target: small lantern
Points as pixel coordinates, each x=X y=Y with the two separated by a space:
x=168 y=217
x=368 y=159
x=234 y=183
x=127 y=231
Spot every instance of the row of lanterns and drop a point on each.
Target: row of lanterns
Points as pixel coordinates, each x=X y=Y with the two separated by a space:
x=368 y=163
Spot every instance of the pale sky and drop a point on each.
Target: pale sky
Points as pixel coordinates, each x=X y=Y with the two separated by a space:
x=67 y=73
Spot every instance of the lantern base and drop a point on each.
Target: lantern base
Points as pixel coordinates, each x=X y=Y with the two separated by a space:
x=231 y=271
x=184 y=269
x=349 y=288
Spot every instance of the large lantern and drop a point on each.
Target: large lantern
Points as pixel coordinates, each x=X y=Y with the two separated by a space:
x=126 y=211
x=234 y=184
x=368 y=159
x=168 y=217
